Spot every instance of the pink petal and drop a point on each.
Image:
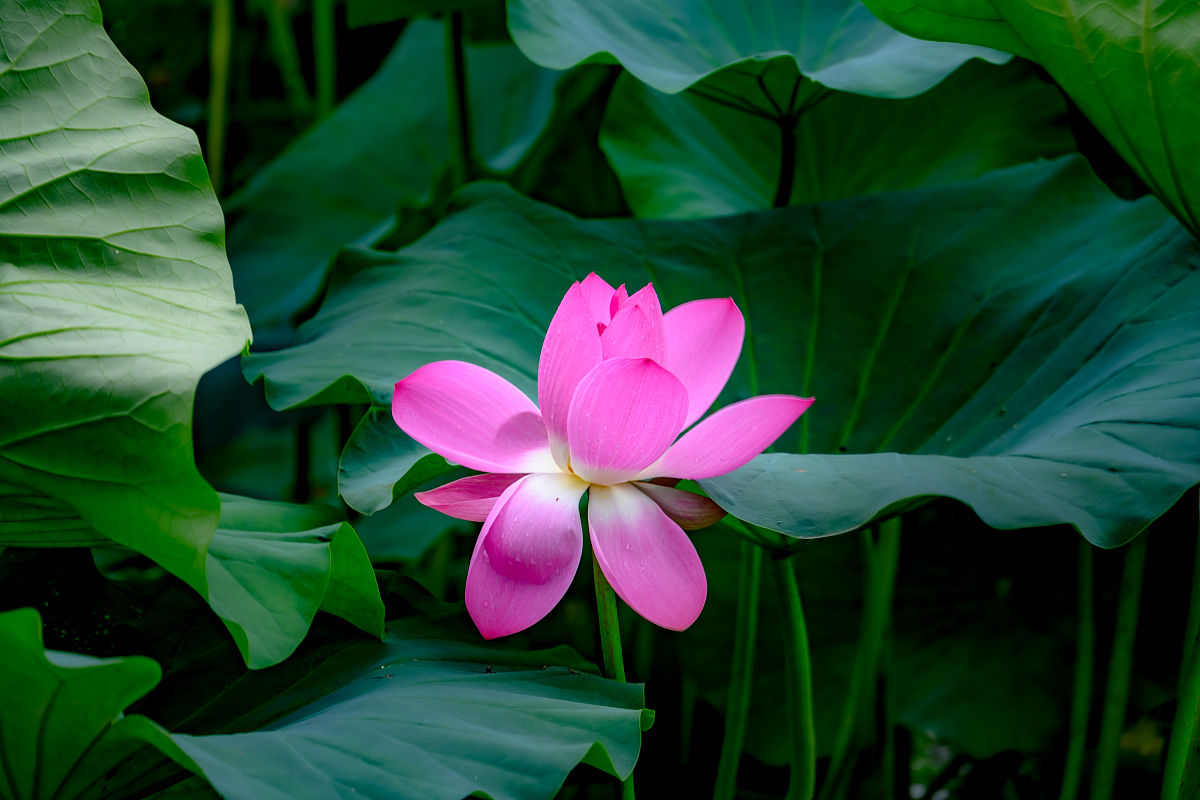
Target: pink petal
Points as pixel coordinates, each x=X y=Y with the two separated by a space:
x=704 y=340
x=598 y=295
x=649 y=561
x=473 y=417
x=632 y=334
x=690 y=510
x=619 y=298
x=526 y=554
x=571 y=348
x=469 y=498
x=646 y=299
x=623 y=416
x=729 y=438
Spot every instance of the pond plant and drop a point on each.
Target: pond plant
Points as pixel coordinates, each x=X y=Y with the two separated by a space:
x=301 y=430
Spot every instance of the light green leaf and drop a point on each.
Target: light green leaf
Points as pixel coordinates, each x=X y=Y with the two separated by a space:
x=672 y=45
x=425 y=716
x=384 y=148
x=115 y=294
x=1131 y=66
x=1044 y=377
x=271 y=566
x=688 y=155
x=62 y=726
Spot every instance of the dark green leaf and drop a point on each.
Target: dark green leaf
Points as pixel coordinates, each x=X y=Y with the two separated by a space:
x=1045 y=377
x=384 y=148
x=1131 y=67
x=62 y=726
x=424 y=715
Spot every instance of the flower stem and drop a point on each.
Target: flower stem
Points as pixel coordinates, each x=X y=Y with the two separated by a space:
x=787 y=161
x=220 y=49
x=1120 y=671
x=610 y=642
x=1185 y=732
x=461 y=159
x=1084 y=660
x=287 y=57
x=798 y=684
x=881 y=558
x=325 y=55
x=741 y=674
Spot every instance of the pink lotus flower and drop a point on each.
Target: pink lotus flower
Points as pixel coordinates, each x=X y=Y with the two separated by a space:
x=618 y=381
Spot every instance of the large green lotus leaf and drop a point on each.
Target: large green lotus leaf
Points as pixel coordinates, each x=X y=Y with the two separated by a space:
x=422 y=715
x=271 y=566
x=1042 y=376
x=62 y=726
x=1131 y=66
x=115 y=294
x=672 y=45
x=686 y=155
x=385 y=147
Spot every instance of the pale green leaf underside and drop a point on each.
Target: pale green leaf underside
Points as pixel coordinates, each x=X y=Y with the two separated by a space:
x=1133 y=67
x=115 y=294
x=670 y=45
x=685 y=156
x=1070 y=342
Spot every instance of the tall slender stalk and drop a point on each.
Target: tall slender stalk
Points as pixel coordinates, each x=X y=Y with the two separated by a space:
x=1120 y=671
x=287 y=57
x=461 y=146
x=787 y=160
x=610 y=642
x=1185 y=732
x=220 y=51
x=1081 y=700
x=879 y=560
x=797 y=683
x=325 y=56
x=741 y=677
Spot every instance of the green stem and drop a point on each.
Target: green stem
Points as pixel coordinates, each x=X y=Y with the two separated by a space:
x=461 y=148
x=610 y=642
x=798 y=684
x=787 y=161
x=325 y=56
x=1085 y=656
x=220 y=50
x=287 y=57
x=858 y=712
x=1185 y=732
x=1120 y=671
x=741 y=673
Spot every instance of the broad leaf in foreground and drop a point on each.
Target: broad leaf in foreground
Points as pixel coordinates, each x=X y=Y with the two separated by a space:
x=1044 y=378
x=1131 y=66
x=672 y=45
x=63 y=723
x=384 y=148
x=423 y=715
x=115 y=294
x=686 y=155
